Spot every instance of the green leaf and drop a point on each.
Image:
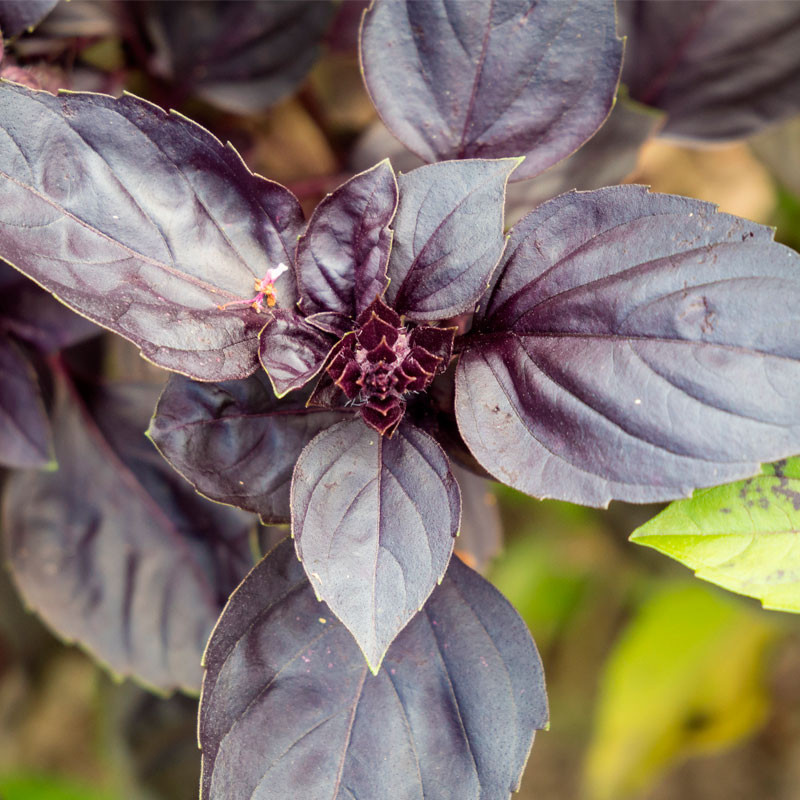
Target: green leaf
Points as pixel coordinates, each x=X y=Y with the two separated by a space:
x=743 y=536
x=23 y=786
x=684 y=678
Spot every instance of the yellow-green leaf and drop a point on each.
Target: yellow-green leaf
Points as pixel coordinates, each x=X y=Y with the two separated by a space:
x=743 y=536
x=685 y=677
x=32 y=786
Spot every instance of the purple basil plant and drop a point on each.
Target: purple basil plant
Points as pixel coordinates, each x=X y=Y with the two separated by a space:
x=614 y=344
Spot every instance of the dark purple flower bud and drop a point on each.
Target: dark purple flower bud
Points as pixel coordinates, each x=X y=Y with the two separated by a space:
x=384 y=422
x=375 y=331
x=381 y=361
x=378 y=309
x=437 y=341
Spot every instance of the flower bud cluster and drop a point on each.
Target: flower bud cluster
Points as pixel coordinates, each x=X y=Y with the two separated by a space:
x=382 y=361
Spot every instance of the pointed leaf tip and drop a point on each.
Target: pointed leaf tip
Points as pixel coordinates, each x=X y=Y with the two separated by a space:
x=373 y=520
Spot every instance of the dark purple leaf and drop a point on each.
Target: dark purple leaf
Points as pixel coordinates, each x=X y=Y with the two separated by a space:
x=605 y=160
x=331 y=322
x=467 y=78
x=342 y=256
x=143 y=222
x=343 y=33
x=32 y=314
x=242 y=56
x=235 y=442
x=636 y=346
x=719 y=70
x=16 y=16
x=448 y=236
x=25 y=439
x=289 y=708
x=481 y=536
x=373 y=520
x=292 y=351
x=114 y=550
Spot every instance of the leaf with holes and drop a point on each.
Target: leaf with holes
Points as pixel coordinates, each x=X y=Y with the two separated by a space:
x=634 y=346
x=744 y=536
x=235 y=442
x=473 y=79
x=448 y=236
x=114 y=550
x=719 y=70
x=143 y=222
x=374 y=519
x=289 y=708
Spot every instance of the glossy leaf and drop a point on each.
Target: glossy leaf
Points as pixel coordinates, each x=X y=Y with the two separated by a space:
x=25 y=439
x=373 y=520
x=472 y=79
x=686 y=677
x=235 y=442
x=342 y=256
x=17 y=16
x=744 y=536
x=143 y=222
x=114 y=550
x=331 y=322
x=606 y=159
x=448 y=236
x=719 y=70
x=289 y=708
x=242 y=56
x=634 y=347
x=292 y=351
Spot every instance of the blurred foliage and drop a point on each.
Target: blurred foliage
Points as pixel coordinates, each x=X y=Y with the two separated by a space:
x=786 y=218
x=37 y=787
x=665 y=693
x=552 y=566
x=729 y=175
